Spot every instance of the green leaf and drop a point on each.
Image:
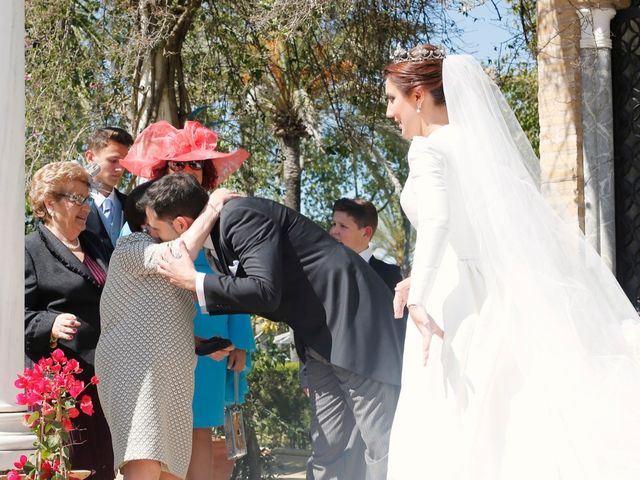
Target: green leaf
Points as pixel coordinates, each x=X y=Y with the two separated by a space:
x=53 y=442
x=33 y=417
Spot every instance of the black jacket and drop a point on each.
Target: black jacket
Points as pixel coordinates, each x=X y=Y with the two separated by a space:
x=57 y=282
x=388 y=272
x=95 y=225
x=290 y=270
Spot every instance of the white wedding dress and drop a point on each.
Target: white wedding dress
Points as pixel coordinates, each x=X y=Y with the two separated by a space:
x=520 y=388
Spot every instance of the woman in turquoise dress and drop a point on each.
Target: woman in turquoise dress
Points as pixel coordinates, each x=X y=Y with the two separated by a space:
x=214 y=379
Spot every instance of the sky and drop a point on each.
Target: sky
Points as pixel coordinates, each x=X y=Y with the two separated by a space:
x=485 y=28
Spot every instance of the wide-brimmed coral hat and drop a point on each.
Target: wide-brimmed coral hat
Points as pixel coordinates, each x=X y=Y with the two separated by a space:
x=161 y=142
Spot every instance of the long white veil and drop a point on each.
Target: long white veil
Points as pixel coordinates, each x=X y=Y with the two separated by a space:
x=567 y=324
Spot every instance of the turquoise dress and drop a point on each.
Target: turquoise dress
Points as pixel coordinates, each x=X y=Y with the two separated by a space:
x=213 y=381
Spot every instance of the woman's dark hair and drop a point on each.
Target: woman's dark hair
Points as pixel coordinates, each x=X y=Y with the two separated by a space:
x=134 y=211
x=424 y=73
x=209 y=174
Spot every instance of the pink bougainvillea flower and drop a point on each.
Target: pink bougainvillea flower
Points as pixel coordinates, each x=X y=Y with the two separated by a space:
x=46 y=470
x=66 y=424
x=95 y=380
x=13 y=475
x=33 y=398
x=76 y=389
x=41 y=386
x=58 y=355
x=50 y=388
x=47 y=409
x=86 y=405
x=72 y=366
x=45 y=362
x=21 y=382
x=20 y=463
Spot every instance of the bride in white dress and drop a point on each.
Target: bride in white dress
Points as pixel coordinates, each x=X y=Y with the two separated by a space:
x=532 y=346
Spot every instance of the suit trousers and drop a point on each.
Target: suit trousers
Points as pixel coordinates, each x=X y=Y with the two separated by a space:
x=348 y=412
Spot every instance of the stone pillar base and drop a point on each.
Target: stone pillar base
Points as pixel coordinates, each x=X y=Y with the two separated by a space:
x=15 y=438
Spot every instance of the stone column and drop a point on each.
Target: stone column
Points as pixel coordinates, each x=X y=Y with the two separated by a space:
x=14 y=437
x=597 y=131
x=559 y=109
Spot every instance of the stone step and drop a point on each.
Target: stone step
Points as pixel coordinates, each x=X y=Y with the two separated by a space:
x=12 y=423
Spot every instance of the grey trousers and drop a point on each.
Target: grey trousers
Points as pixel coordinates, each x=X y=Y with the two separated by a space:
x=351 y=418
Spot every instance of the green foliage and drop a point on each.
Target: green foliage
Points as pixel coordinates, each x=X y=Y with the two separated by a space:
x=73 y=80
x=276 y=405
x=276 y=412
x=520 y=87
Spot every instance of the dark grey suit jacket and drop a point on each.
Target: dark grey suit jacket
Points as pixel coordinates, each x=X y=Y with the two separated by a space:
x=388 y=272
x=95 y=225
x=57 y=282
x=290 y=270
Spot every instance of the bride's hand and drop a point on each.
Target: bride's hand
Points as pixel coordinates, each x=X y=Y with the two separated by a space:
x=400 y=298
x=427 y=327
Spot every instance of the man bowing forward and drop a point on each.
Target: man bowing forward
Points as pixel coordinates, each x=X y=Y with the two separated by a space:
x=288 y=269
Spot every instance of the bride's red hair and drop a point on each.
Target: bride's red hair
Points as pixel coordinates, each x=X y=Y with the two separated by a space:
x=424 y=73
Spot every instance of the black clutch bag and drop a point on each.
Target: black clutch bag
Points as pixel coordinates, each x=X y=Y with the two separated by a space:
x=213 y=344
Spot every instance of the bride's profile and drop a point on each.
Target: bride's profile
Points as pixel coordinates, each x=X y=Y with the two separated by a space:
x=520 y=361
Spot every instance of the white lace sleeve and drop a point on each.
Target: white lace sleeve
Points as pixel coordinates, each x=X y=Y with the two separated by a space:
x=429 y=187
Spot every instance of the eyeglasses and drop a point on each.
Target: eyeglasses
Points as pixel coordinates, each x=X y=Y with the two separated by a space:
x=180 y=166
x=76 y=198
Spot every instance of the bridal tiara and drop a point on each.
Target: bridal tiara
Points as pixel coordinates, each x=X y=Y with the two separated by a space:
x=419 y=54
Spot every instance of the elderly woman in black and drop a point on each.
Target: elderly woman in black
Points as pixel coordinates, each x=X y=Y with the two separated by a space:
x=65 y=271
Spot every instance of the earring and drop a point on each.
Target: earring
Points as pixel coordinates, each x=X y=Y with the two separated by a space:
x=418 y=109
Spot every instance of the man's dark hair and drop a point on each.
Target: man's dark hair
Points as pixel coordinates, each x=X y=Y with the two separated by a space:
x=134 y=213
x=178 y=195
x=364 y=213
x=101 y=137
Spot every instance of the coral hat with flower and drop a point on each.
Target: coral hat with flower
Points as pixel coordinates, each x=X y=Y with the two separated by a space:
x=161 y=142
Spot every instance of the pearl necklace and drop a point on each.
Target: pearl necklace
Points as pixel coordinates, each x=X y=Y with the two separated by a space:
x=70 y=246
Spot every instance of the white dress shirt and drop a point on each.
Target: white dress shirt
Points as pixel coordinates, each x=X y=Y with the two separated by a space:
x=114 y=224
x=208 y=244
x=366 y=254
